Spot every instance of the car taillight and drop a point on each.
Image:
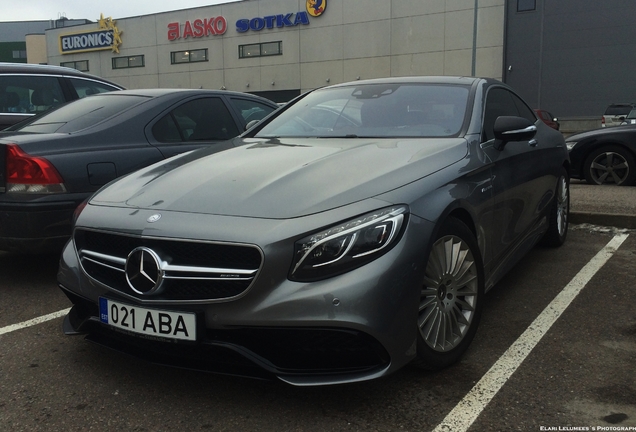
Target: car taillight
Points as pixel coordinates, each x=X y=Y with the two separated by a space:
x=31 y=174
x=603 y=121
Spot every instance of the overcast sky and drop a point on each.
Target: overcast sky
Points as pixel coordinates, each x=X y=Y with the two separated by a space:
x=35 y=10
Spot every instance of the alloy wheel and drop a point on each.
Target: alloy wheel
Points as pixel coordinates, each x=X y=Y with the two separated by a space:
x=449 y=294
x=609 y=167
x=563 y=203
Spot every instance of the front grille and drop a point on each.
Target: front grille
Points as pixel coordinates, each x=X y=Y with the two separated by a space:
x=192 y=271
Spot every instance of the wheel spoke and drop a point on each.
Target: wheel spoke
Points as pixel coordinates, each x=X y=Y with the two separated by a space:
x=621 y=165
x=598 y=166
x=460 y=317
x=601 y=179
x=617 y=179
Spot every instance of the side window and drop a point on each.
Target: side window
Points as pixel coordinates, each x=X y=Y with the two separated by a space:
x=85 y=88
x=499 y=102
x=205 y=119
x=29 y=94
x=166 y=130
x=523 y=109
x=251 y=110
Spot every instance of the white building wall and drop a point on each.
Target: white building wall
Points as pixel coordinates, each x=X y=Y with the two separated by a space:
x=353 y=39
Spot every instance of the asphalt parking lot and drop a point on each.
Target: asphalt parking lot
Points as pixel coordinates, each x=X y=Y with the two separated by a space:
x=567 y=314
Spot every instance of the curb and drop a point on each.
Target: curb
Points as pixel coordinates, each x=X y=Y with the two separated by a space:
x=604 y=219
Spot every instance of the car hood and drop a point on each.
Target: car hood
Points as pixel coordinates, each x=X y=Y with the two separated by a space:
x=602 y=131
x=283 y=178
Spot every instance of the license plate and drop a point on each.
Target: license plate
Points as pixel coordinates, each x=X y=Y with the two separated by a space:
x=150 y=322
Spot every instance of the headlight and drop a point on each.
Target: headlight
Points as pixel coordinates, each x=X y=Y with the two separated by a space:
x=570 y=144
x=348 y=245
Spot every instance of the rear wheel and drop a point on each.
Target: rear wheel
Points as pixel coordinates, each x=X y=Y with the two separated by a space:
x=451 y=297
x=558 y=219
x=610 y=165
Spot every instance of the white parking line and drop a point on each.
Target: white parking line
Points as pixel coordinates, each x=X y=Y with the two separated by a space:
x=469 y=408
x=34 y=321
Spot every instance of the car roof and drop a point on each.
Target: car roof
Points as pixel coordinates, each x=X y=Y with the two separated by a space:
x=38 y=69
x=158 y=92
x=417 y=80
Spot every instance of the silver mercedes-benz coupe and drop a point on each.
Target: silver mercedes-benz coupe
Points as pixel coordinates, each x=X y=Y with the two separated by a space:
x=351 y=232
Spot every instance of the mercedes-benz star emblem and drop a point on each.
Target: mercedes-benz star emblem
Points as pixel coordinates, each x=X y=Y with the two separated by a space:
x=143 y=271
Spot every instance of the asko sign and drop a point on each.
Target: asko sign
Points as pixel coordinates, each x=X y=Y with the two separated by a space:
x=198 y=28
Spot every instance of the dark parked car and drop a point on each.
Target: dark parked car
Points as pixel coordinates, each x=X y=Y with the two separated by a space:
x=548 y=118
x=604 y=156
x=51 y=164
x=28 y=89
x=323 y=253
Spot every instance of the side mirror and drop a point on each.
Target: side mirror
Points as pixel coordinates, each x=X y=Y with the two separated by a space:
x=512 y=128
x=621 y=118
x=251 y=124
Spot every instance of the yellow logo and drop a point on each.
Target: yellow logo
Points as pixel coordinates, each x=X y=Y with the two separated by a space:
x=109 y=24
x=316 y=8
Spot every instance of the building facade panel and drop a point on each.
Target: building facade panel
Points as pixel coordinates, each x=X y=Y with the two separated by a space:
x=367 y=68
x=265 y=41
x=353 y=11
x=418 y=64
x=417 y=34
x=406 y=8
x=458 y=29
x=490 y=29
x=367 y=39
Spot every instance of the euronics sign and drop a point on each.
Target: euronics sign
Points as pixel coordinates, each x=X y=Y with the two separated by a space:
x=107 y=37
x=90 y=41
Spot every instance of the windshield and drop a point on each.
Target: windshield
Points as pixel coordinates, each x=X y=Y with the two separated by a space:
x=374 y=110
x=618 y=110
x=80 y=114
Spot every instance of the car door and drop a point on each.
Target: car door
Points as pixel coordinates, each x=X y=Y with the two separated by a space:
x=522 y=183
x=196 y=123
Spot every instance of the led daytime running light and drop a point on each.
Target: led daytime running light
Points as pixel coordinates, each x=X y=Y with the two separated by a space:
x=395 y=215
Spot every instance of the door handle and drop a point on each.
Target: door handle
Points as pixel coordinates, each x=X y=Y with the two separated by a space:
x=533 y=143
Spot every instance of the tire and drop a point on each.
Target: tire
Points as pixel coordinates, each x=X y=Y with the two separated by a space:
x=558 y=219
x=610 y=165
x=451 y=297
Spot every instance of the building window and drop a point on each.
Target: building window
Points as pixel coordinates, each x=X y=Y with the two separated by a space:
x=81 y=65
x=526 y=5
x=19 y=54
x=261 y=49
x=191 y=56
x=128 y=62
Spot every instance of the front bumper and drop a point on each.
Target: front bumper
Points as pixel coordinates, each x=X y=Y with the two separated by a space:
x=292 y=331
x=327 y=355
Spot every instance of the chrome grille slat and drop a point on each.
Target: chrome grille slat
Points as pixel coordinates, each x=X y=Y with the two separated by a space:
x=102 y=264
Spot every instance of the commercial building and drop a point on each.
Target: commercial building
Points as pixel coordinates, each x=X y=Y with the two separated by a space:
x=570 y=57
x=280 y=48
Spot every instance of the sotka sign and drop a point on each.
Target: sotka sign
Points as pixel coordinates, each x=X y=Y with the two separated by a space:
x=198 y=28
